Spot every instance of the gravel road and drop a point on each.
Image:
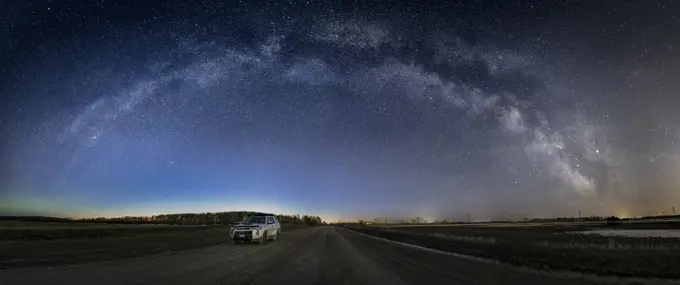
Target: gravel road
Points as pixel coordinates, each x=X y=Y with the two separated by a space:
x=319 y=255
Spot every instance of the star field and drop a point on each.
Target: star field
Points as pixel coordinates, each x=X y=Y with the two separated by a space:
x=343 y=111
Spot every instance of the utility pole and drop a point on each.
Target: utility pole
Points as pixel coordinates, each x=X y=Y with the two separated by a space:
x=579 y=214
x=469 y=219
x=673 y=210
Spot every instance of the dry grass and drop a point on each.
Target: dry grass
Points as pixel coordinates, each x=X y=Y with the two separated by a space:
x=613 y=244
x=28 y=244
x=550 y=246
x=465 y=238
x=658 y=233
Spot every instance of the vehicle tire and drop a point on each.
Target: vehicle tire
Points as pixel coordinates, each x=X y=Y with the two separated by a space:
x=263 y=239
x=278 y=235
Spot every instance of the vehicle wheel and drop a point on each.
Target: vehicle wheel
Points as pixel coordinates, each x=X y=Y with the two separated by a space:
x=278 y=235
x=263 y=239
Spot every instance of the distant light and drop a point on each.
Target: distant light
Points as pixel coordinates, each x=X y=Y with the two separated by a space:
x=624 y=214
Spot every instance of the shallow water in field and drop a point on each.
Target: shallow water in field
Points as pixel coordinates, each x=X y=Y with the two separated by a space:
x=636 y=233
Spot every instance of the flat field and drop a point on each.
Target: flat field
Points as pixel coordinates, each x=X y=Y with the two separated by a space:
x=590 y=247
x=25 y=244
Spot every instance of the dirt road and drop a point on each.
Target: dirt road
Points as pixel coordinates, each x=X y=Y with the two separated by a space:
x=320 y=255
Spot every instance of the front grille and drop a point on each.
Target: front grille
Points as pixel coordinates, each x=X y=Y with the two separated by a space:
x=243 y=232
x=243 y=235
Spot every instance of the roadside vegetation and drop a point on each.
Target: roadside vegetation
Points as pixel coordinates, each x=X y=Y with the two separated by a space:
x=554 y=246
x=46 y=241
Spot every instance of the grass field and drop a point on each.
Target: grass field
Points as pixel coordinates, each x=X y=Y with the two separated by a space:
x=25 y=244
x=562 y=246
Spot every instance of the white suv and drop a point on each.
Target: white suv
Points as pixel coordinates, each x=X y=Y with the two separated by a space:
x=257 y=227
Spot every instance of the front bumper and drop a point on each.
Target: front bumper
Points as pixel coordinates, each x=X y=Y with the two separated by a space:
x=242 y=236
x=246 y=235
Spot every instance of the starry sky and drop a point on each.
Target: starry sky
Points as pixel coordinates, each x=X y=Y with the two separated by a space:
x=343 y=109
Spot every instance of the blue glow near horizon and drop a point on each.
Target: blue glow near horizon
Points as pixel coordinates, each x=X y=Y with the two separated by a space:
x=355 y=115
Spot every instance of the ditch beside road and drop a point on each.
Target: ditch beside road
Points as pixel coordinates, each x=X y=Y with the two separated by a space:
x=547 y=247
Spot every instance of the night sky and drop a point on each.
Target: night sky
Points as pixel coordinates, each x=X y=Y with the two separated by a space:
x=340 y=109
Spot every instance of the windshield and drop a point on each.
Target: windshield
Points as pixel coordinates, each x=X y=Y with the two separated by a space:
x=254 y=220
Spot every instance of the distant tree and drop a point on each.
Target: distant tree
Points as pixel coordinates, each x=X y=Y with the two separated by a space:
x=218 y=218
x=418 y=220
x=613 y=220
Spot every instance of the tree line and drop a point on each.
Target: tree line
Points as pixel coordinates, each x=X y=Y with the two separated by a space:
x=217 y=218
x=608 y=219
